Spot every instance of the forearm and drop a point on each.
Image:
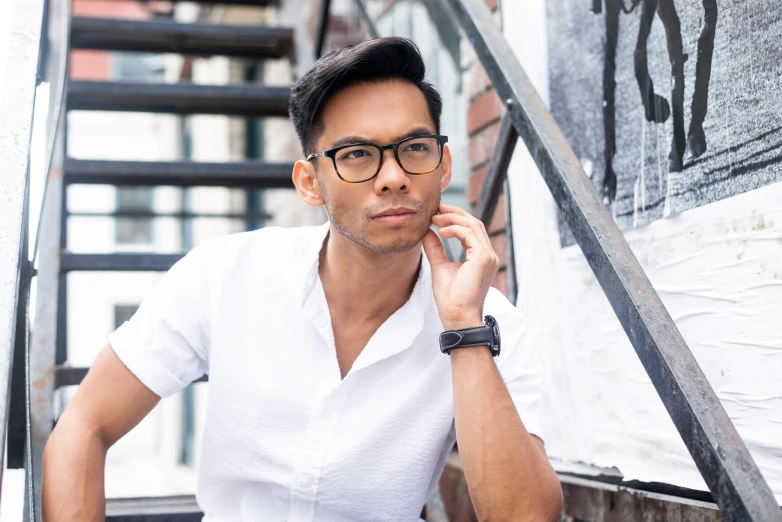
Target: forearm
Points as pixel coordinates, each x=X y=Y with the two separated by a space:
x=73 y=472
x=508 y=475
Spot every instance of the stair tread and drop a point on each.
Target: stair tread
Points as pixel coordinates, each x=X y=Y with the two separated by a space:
x=179 y=98
x=70 y=375
x=255 y=174
x=164 y=36
x=180 y=508
x=119 y=262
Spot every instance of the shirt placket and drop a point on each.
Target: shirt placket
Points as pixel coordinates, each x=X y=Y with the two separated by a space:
x=318 y=438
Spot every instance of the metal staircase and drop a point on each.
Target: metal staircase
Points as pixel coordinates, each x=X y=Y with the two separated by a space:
x=38 y=349
x=47 y=366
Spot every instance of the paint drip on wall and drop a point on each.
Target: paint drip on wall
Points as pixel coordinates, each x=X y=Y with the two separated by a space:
x=674 y=104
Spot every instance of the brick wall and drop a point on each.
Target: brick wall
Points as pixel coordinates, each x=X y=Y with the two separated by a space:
x=483 y=126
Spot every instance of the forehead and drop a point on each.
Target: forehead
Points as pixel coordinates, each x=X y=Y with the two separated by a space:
x=380 y=111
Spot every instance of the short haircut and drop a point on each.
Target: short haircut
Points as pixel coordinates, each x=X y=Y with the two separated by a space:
x=377 y=60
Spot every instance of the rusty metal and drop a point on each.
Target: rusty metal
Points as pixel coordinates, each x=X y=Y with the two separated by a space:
x=323 y=22
x=494 y=184
x=149 y=214
x=71 y=376
x=117 y=262
x=715 y=445
x=254 y=101
x=597 y=501
x=364 y=13
x=182 y=508
x=255 y=174
x=497 y=171
x=510 y=270
x=20 y=78
x=164 y=36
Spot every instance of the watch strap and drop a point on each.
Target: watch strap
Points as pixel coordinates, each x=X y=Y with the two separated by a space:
x=469 y=337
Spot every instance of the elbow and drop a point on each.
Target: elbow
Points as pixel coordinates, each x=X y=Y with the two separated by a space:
x=551 y=501
x=545 y=506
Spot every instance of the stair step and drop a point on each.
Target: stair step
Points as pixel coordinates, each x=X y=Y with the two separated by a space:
x=251 y=3
x=163 y=36
x=250 y=174
x=179 y=98
x=70 y=376
x=153 y=509
x=123 y=262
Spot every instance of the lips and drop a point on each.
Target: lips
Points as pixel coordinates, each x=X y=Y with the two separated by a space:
x=395 y=212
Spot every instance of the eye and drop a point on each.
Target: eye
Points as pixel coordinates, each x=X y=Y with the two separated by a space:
x=354 y=153
x=417 y=147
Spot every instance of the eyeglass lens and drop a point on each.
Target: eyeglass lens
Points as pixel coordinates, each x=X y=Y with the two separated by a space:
x=416 y=156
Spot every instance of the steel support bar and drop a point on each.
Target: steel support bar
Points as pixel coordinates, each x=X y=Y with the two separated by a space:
x=153 y=509
x=164 y=36
x=494 y=184
x=364 y=12
x=497 y=171
x=244 y=174
x=148 y=214
x=117 y=262
x=71 y=376
x=513 y=286
x=248 y=3
x=20 y=79
x=323 y=25
x=251 y=101
x=716 y=447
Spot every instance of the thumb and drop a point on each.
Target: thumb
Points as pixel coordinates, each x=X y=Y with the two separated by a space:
x=433 y=248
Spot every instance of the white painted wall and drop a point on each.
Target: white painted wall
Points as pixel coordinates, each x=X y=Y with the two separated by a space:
x=718 y=270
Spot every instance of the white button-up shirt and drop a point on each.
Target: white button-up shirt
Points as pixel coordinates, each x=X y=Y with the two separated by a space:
x=285 y=437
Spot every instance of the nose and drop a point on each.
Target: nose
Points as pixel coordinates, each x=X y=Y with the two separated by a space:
x=391 y=178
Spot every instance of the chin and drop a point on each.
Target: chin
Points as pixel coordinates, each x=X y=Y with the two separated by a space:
x=393 y=242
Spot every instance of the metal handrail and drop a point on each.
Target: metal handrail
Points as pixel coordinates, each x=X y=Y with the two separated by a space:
x=20 y=79
x=716 y=447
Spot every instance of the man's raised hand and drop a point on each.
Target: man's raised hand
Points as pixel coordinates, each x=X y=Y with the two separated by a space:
x=460 y=288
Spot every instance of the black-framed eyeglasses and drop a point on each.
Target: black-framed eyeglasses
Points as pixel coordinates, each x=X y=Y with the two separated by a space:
x=362 y=161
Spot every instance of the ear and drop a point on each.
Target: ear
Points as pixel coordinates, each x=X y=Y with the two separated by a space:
x=445 y=169
x=306 y=182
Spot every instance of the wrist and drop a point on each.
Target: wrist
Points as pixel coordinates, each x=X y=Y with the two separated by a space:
x=462 y=324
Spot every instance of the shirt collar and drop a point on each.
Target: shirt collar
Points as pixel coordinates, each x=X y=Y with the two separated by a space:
x=398 y=332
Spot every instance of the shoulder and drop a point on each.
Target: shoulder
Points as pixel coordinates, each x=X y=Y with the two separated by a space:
x=257 y=246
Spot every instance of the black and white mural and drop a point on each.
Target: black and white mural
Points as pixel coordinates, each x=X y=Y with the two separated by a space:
x=669 y=104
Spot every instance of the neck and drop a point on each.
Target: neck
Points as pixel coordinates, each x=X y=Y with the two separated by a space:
x=364 y=285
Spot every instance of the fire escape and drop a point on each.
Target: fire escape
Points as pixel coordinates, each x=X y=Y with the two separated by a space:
x=34 y=351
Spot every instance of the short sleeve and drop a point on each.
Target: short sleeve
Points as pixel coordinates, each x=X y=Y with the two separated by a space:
x=165 y=343
x=518 y=364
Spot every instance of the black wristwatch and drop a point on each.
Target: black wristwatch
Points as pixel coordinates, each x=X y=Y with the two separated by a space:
x=488 y=335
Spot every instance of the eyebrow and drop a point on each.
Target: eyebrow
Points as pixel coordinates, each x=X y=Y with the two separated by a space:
x=354 y=140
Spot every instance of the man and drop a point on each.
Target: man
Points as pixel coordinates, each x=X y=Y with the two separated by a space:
x=329 y=397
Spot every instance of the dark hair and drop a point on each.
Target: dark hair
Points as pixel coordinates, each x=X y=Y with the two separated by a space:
x=371 y=61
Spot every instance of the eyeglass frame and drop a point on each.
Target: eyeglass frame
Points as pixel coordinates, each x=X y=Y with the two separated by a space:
x=332 y=153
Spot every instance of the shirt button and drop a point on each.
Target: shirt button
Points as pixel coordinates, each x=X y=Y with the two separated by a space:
x=306 y=481
x=325 y=415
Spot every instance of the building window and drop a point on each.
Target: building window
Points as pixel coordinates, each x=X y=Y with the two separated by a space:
x=123 y=313
x=134 y=230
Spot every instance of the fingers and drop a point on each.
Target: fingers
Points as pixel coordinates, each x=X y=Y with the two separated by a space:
x=433 y=248
x=444 y=220
x=472 y=243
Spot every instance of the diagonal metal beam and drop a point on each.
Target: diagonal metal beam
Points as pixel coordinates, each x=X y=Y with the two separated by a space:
x=20 y=79
x=497 y=171
x=495 y=183
x=364 y=12
x=323 y=24
x=716 y=447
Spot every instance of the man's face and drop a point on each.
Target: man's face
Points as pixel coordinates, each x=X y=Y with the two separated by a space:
x=380 y=113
